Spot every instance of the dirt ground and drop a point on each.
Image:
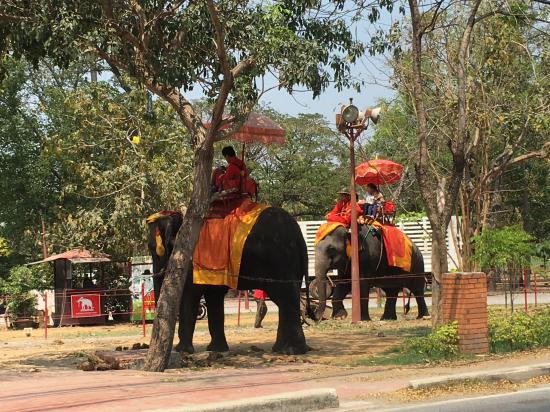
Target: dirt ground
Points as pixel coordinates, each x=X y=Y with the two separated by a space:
x=335 y=343
x=342 y=352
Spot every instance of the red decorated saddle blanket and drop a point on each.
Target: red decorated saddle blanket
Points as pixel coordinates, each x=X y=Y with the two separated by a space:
x=217 y=256
x=398 y=247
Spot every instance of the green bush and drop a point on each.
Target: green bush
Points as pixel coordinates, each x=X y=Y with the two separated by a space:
x=21 y=280
x=21 y=305
x=520 y=331
x=440 y=344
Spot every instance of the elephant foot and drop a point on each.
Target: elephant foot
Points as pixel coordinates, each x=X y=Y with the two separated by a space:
x=423 y=316
x=291 y=349
x=340 y=314
x=218 y=347
x=184 y=348
x=388 y=317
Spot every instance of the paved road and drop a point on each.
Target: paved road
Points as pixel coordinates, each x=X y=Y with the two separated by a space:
x=533 y=400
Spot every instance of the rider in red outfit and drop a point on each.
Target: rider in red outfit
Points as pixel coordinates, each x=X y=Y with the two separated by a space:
x=235 y=174
x=342 y=211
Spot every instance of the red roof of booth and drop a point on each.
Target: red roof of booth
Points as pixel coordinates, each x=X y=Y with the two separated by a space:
x=77 y=256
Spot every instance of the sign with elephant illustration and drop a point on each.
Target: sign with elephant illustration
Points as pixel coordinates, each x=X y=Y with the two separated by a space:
x=85 y=305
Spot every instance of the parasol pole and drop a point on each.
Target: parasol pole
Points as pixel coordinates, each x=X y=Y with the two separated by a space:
x=242 y=171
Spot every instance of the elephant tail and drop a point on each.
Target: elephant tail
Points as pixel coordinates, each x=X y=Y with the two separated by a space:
x=408 y=304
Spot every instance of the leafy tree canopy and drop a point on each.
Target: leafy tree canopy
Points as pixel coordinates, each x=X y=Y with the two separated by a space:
x=503 y=248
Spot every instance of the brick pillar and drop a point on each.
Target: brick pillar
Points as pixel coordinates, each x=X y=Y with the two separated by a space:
x=465 y=301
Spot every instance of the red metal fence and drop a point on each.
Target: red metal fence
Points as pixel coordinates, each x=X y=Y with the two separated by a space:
x=83 y=305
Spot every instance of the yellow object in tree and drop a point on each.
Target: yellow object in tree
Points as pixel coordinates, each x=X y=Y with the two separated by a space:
x=159 y=249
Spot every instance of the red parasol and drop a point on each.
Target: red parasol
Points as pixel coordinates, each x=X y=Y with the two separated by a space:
x=258 y=129
x=378 y=172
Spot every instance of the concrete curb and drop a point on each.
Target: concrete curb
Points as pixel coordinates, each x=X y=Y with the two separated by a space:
x=516 y=374
x=308 y=400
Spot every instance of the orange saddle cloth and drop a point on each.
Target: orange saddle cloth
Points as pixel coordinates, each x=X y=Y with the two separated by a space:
x=326 y=229
x=398 y=247
x=217 y=256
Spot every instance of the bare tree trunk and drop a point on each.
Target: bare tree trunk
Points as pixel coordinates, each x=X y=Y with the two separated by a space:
x=162 y=337
x=439 y=266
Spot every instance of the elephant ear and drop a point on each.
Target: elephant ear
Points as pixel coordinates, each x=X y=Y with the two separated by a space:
x=159 y=247
x=348 y=248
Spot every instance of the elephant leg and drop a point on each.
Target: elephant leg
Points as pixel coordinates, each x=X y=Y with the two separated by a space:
x=261 y=311
x=418 y=292
x=214 y=296
x=157 y=284
x=290 y=336
x=391 y=301
x=365 y=290
x=189 y=309
x=340 y=293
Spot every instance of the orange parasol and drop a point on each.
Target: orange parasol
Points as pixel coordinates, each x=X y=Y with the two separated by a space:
x=378 y=172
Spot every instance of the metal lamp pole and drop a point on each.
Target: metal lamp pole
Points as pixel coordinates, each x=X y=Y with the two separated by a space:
x=350 y=124
x=355 y=281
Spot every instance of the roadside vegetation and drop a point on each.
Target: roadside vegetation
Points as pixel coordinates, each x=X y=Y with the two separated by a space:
x=507 y=333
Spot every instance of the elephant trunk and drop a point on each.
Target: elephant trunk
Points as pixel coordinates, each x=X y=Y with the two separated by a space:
x=321 y=282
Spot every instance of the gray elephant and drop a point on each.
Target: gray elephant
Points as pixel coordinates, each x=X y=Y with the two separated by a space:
x=330 y=254
x=274 y=259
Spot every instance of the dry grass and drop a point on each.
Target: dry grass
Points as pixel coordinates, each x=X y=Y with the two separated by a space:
x=456 y=390
x=67 y=345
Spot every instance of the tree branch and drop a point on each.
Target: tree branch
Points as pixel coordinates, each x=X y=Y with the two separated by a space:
x=8 y=18
x=431 y=25
x=107 y=6
x=227 y=83
x=458 y=146
x=142 y=18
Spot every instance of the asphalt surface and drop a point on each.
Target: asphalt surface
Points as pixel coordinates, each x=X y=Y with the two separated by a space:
x=533 y=400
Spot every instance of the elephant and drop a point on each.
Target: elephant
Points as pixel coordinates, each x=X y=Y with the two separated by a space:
x=330 y=253
x=274 y=259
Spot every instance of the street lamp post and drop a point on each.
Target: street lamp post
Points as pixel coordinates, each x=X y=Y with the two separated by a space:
x=352 y=123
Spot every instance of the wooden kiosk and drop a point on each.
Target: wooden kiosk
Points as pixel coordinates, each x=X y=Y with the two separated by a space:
x=78 y=285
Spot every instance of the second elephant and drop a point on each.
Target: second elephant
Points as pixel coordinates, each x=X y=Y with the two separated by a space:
x=330 y=254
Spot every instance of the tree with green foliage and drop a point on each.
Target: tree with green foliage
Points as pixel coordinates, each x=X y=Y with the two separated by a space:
x=470 y=82
x=79 y=169
x=504 y=253
x=171 y=47
x=303 y=175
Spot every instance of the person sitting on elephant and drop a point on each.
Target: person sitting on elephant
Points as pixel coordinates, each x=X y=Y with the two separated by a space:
x=342 y=211
x=375 y=200
x=217 y=173
x=235 y=174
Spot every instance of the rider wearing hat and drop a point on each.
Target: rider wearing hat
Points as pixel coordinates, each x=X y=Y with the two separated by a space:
x=342 y=211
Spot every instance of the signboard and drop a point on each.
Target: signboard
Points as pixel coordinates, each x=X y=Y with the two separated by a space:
x=142 y=269
x=85 y=305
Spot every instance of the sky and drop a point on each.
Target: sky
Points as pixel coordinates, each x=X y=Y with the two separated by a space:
x=370 y=69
